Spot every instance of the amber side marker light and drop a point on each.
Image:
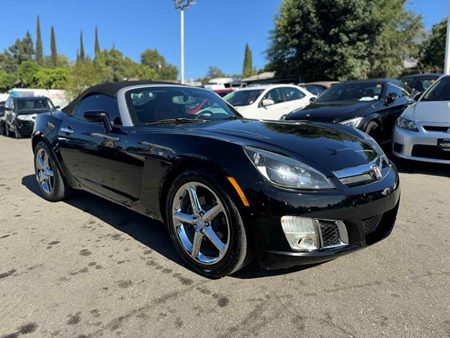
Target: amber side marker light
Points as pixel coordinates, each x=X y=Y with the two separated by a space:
x=238 y=190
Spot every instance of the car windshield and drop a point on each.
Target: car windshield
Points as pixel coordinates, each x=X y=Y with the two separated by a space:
x=420 y=83
x=440 y=91
x=34 y=104
x=366 y=91
x=243 y=97
x=154 y=104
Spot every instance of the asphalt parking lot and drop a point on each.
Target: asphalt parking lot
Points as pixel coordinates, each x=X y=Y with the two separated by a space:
x=88 y=268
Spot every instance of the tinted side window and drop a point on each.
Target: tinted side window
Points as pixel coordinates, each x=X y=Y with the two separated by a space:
x=291 y=94
x=103 y=103
x=274 y=95
x=396 y=90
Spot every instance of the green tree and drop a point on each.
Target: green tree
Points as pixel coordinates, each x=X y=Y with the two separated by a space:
x=52 y=78
x=247 y=69
x=433 y=54
x=97 y=43
x=85 y=74
x=155 y=61
x=27 y=73
x=7 y=63
x=54 y=52
x=7 y=81
x=22 y=50
x=81 y=56
x=397 y=40
x=39 y=48
x=214 y=72
x=341 y=39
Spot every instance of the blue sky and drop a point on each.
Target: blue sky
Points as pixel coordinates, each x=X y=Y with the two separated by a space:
x=216 y=31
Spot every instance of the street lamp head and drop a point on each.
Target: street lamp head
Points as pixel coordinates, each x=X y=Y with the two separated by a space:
x=183 y=4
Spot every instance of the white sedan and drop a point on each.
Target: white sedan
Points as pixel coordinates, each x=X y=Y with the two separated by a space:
x=422 y=132
x=269 y=102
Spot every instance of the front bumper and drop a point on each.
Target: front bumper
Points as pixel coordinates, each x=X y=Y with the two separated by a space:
x=353 y=206
x=420 y=146
x=25 y=127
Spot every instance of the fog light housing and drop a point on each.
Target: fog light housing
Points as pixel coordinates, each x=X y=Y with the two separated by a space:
x=301 y=233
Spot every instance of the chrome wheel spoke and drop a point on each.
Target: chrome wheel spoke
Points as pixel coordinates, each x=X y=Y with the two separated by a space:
x=49 y=184
x=40 y=162
x=215 y=240
x=192 y=223
x=213 y=212
x=49 y=172
x=46 y=164
x=195 y=203
x=196 y=244
x=183 y=218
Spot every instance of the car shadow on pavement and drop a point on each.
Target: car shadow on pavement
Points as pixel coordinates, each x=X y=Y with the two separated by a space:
x=413 y=167
x=153 y=234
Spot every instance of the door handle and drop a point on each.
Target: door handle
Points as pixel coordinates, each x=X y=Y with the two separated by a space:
x=67 y=130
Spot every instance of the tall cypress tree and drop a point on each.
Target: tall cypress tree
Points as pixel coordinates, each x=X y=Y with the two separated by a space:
x=39 y=49
x=81 y=56
x=54 y=52
x=247 y=69
x=97 y=43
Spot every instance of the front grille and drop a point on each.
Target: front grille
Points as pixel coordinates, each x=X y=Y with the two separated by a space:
x=436 y=128
x=330 y=233
x=432 y=152
x=370 y=224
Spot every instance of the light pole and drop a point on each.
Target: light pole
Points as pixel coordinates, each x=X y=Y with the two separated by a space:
x=182 y=5
x=447 y=44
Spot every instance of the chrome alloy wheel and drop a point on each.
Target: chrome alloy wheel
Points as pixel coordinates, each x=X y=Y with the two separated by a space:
x=44 y=171
x=201 y=223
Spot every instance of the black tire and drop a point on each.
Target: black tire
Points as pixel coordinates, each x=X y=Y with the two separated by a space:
x=17 y=133
x=2 y=128
x=238 y=248
x=6 y=130
x=60 y=190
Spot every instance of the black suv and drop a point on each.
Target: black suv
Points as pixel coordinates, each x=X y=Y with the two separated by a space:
x=21 y=112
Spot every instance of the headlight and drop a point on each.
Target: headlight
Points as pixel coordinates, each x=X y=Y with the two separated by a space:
x=407 y=124
x=287 y=172
x=26 y=117
x=355 y=122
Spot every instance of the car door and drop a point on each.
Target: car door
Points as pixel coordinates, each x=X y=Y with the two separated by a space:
x=96 y=156
x=274 y=111
x=9 y=112
x=294 y=98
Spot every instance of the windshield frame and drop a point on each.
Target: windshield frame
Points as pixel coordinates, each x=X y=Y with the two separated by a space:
x=337 y=85
x=125 y=104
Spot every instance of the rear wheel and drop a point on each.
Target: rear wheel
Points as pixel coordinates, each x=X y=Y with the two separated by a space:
x=48 y=176
x=205 y=225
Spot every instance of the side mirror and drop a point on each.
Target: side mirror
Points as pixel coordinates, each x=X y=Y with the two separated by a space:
x=98 y=116
x=312 y=99
x=267 y=102
x=390 y=98
x=57 y=107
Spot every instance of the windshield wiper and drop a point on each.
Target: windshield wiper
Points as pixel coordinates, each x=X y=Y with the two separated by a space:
x=178 y=120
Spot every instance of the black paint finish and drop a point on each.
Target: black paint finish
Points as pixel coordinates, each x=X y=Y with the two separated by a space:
x=134 y=166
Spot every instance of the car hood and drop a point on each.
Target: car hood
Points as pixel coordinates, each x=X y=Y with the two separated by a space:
x=428 y=111
x=324 y=147
x=333 y=111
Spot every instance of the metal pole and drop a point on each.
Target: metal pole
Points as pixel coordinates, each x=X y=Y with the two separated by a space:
x=182 y=44
x=447 y=45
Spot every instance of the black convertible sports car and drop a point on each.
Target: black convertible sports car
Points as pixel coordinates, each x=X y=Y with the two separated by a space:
x=372 y=106
x=291 y=193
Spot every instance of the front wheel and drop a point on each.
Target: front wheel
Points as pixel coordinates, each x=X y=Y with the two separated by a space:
x=205 y=225
x=48 y=176
x=17 y=133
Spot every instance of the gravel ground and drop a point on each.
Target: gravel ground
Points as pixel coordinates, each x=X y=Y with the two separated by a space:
x=86 y=267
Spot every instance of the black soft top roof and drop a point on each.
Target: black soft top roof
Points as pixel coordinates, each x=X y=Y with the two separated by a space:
x=110 y=89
